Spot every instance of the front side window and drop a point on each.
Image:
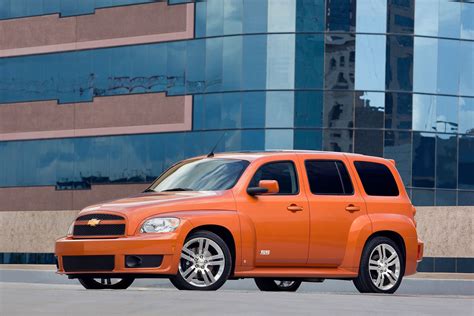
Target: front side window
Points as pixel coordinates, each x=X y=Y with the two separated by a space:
x=328 y=177
x=376 y=179
x=283 y=172
x=209 y=174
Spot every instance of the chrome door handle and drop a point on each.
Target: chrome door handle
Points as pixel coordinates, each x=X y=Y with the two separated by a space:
x=294 y=208
x=352 y=208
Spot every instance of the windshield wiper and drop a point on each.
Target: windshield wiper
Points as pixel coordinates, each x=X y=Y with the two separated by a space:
x=149 y=190
x=177 y=189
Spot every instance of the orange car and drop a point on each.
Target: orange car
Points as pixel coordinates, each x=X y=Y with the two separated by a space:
x=279 y=217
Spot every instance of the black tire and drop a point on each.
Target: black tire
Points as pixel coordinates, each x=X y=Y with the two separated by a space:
x=92 y=284
x=275 y=285
x=180 y=282
x=364 y=282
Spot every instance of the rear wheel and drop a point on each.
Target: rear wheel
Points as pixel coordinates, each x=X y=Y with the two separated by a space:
x=205 y=263
x=273 y=285
x=106 y=283
x=381 y=268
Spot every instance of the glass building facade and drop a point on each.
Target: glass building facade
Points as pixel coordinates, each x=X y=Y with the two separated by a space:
x=389 y=78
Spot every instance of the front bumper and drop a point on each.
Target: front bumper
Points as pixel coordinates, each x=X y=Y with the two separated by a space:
x=146 y=244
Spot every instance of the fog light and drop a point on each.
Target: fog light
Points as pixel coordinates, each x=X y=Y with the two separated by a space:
x=132 y=261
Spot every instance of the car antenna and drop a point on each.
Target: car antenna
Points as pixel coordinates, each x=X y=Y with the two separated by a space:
x=211 y=154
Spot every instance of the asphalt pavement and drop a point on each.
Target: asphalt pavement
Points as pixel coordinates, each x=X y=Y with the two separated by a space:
x=39 y=291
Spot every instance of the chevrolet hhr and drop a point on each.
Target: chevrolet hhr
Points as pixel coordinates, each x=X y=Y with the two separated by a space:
x=281 y=218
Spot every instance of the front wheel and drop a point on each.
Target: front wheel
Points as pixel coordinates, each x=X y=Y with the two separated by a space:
x=272 y=285
x=205 y=263
x=381 y=267
x=106 y=283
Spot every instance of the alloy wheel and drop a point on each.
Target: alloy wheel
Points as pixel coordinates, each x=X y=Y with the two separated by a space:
x=384 y=266
x=202 y=262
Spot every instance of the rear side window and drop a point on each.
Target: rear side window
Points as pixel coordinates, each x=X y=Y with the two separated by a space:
x=283 y=171
x=376 y=178
x=328 y=177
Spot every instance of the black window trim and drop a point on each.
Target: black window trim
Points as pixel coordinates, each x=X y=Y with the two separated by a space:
x=296 y=175
x=340 y=177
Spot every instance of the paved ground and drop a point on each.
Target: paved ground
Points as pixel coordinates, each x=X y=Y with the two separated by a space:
x=41 y=292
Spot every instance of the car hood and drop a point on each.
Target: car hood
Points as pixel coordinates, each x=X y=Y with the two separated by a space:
x=149 y=204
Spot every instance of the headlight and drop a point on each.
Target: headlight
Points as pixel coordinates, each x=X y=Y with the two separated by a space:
x=70 y=230
x=160 y=225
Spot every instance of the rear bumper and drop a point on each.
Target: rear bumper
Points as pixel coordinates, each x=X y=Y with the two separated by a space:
x=142 y=245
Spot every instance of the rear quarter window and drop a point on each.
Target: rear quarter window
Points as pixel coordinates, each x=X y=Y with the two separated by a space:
x=377 y=179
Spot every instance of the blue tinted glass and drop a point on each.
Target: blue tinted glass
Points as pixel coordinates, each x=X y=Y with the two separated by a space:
x=278 y=139
x=339 y=61
x=198 y=112
x=158 y=61
x=233 y=16
x=466 y=116
x=399 y=65
x=466 y=198
x=200 y=18
x=231 y=110
x=232 y=63
x=176 y=65
x=215 y=17
x=308 y=139
x=426 y=17
x=253 y=139
x=308 y=110
x=371 y=16
x=467 y=21
x=466 y=79
x=449 y=18
x=254 y=62
x=280 y=61
x=309 y=16
x=309 y=63
x=424 y=112
x=195 y=66
x=369 y=109
x=445 y=197
x=279 y=109
x=368 y=142
x=212 y=113
x=400 y=17
x=340 y=15
x=447 y=114
x=281 y=16
x=466 y=162
x=398 y=146
x=214 y=64
x=422 y=197
x=253 y=109
x=446 y=161
x=425 y=65
x=255 y=16
x=370 y=62
x=398 y=110
x=449 y=65
x=423 y=163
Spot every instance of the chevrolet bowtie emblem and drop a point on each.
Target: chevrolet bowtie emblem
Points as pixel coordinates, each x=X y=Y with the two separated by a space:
x=93 y=222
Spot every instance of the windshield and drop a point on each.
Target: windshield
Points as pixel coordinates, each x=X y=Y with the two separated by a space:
x=210 y=174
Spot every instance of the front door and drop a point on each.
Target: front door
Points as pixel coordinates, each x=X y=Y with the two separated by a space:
x=334 y=205
x=281 y=220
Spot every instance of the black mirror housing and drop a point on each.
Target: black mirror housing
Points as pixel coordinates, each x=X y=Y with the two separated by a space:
x=256 y=191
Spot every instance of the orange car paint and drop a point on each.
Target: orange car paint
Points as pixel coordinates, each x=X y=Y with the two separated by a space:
x=306 y=235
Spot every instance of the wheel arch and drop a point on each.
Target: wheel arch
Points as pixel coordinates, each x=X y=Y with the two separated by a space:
x=392 y=235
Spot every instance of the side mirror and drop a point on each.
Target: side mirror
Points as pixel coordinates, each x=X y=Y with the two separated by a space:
x=264 y=187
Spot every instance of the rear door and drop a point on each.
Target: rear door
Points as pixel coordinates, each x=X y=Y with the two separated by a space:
x=334 y=206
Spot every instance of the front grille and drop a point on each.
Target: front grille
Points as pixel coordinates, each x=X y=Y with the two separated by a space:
x=88 y=263
x=109 y=217
x=99 y=230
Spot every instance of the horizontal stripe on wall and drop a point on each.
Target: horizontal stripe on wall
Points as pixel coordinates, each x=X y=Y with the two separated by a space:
x=149 y=23
x=429 y=264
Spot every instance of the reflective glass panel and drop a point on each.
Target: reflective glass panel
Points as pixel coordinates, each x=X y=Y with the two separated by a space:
x=308 y=139
x=398 y=110
x=253 y=109
x=338 y=140
x=466 y=79
x=214 y=56
x=466 y=116
x=308 y=109
x=340 y=15
x=371 y=16
x=466 y=162
x=215 y=17
x=446 y=197
x=339 y=61
x=425 y=61
x=426 y=17
x=400 y=16
x=280 y=61
x=424 y=112
x=449 y=18
x=281 y=16
x=370 y=62
x=446 y=161
x=467 y=22
x=447 y=114
x=449 y=65
x=398 y=146
x=423 y=170
x=233 y=16
x=309 y=16
x=369 y=109
x=232 y=63
x=254 y=62
x=309 y=63
x=466 y=198
x=255 y=16
x=421 y=197
x=399 y=65
x=368 y=142
x=338 y=109
x=278 y=139
x=279 y=109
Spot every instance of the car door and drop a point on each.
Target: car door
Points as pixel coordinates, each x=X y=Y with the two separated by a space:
x=334 y=206
x=281 y=220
